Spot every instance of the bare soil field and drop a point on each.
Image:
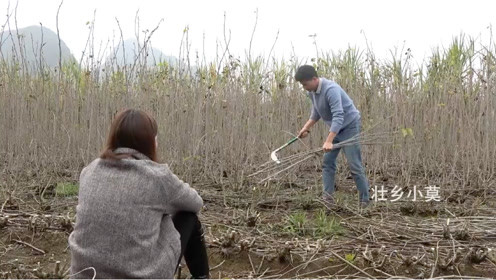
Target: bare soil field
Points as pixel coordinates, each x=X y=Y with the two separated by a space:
x=274 y=230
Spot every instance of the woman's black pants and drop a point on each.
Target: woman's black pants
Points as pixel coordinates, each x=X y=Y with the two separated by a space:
x=192 y=244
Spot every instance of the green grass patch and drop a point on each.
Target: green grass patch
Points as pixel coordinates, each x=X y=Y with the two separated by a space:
x=327 y=226
x=350 y=257
x=66 y=189
x=321 y=225
x=297 y=223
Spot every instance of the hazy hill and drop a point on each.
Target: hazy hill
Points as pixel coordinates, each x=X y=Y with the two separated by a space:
x=34 y=40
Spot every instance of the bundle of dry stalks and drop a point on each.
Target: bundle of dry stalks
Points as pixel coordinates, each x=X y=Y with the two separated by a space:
x=274 y=169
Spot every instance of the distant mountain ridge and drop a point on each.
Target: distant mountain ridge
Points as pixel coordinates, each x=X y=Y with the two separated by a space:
x=41 y=42
x=36 y=42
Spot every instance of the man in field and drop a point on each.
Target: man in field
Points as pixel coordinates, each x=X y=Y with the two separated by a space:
x=331 y=104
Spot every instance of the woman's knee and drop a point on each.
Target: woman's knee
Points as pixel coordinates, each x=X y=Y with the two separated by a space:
x=184 y=217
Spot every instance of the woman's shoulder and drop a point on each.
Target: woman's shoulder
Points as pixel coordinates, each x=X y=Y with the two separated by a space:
x=155 y=167
x=147 y=168
x=152 y=168
x=89 y=167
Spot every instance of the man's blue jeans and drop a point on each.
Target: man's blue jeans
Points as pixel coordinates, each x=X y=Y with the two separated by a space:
x=354 y=159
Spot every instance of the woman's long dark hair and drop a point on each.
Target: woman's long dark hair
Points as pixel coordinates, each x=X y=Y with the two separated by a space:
x=133 y=129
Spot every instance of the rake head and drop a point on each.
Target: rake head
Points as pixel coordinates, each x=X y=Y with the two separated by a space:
x=273 y=156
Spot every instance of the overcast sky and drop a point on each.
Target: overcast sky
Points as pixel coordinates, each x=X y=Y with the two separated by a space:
x=419 y=25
